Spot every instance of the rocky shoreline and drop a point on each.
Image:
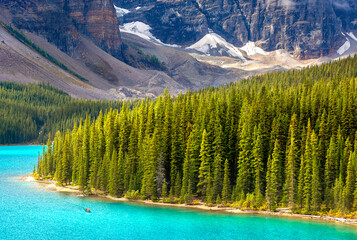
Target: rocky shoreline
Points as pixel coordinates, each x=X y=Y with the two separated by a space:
x=51 y=186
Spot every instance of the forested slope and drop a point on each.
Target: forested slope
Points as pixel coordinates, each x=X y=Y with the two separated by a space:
x=280 y=139
x=28 y=113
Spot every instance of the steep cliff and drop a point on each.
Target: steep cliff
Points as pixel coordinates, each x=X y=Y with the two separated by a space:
x=308 y=28
x=61 y=21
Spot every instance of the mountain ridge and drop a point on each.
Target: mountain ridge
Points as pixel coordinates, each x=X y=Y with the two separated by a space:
x=308 y=29
x=93 y=39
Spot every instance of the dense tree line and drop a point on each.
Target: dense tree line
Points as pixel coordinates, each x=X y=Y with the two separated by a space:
x=28 y=113
x=280 y=139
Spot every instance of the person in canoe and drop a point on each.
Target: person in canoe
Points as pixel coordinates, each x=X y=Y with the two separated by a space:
x=87 y=210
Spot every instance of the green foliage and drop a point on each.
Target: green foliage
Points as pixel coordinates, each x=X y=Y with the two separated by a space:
x=30 y=112
x=133 y=195
x=178 y=144
x=150 y=60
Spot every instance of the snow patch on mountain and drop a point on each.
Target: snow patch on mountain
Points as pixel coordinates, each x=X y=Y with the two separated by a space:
x=344 y=47
x=214 y=45
x=121 y=11
x=352 y=36
x=251 y=49
x=142 y=30
x=350 y=46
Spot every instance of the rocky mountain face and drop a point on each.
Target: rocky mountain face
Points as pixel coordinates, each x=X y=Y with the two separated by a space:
x=171 y=44
x=307 y=28
x=76 y=46
x=62 y=21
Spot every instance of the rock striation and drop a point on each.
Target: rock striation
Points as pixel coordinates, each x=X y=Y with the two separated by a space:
x=307 y=28
x=62 y=21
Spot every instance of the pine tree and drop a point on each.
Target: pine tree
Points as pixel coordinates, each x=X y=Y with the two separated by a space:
x=164 y=191
x=204 y=170
x=322 y=148
x=84 y=164
x=291 y=168
x=177 y=147
x=186 y=167
x=166 y=134
x=57 y=152
x=94 y=155
x=226 y=182
x=77 y=153
x=316 y=184
x=350 y=180
x=148 y=187
x=193 y=151
x=188 y=196
x=274 y=187
x=344 y=159
x=103 y=172
x=177 y=185
x=209 y=191
x=120 y=174
x=307 y=187
x=269 y=193
x=66 y=168
x=258 y=165
x=244 y=182
x=113 y=175
x=49 y=158
x=217 y=176
x=330 y=170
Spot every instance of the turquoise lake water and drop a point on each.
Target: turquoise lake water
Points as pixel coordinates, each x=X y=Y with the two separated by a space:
x=28 y=211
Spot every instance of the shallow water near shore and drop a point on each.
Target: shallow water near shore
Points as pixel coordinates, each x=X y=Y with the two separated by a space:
x=28 y=211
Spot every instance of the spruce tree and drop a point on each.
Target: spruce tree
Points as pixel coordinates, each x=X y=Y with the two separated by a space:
x=244 y=182
x=84 y=164
x=350 y=180
x=204 y=170
x=291 y=168
x=186 y=167
x=164 y=191
x=316 y=184
x=113 y=175
x=226 y=183
x=217 y=176
x=258 y=165
x=330 y=170
x=275 y=176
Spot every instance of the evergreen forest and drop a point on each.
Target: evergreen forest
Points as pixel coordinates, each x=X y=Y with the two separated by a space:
x=30 y=112
x=282 y=139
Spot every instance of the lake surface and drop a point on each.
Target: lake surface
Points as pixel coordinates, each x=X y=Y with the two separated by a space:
x=28 y=211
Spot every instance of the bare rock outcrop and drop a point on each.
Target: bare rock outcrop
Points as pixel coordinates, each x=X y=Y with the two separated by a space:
x=61 y=21
x=307 y=28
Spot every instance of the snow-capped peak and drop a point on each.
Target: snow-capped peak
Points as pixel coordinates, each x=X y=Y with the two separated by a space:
x=251 y=49
x=213 y=44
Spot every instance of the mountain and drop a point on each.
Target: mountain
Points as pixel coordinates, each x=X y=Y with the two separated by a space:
x=64 y=42
x=306 y=28
x=213 y=44
x=110 y=49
